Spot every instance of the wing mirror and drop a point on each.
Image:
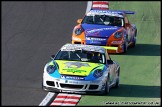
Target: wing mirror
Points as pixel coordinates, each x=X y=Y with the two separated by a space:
x=109 y=61
x=79 y=21
x=52 y=57
x=127 y=24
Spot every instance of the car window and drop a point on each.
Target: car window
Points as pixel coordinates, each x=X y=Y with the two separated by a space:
x=107 y=56
x=126 y=19
x=79 y=55
x=104 y=20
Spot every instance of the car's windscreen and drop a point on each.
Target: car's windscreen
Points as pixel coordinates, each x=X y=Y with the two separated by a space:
x=104 y=20
x=80 y=55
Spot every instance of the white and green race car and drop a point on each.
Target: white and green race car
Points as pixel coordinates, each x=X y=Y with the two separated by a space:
x=78 y=68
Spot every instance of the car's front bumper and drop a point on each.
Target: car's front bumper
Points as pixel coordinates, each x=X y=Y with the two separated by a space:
x=72 y=86
x=113 y=43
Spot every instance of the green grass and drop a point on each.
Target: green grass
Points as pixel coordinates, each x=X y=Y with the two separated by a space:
x=140 y=66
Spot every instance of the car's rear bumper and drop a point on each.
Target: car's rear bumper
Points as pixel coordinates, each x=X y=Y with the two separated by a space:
x=119 y=44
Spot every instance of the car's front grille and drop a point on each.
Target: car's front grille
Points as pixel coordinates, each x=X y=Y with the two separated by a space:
x=93 y=87
x=71 y=86
x=77 y=42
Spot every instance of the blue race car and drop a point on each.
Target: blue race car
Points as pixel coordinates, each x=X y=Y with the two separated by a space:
x=106 y=28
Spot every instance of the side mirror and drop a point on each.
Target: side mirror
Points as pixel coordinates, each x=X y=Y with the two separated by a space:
x=109 y=61
x=52 y=57
x=79 y=21
x=127 y=24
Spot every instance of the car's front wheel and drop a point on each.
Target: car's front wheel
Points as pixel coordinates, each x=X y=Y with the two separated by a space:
x=125 y=47
x=117 y=79
x=43 y=88
x=42 y=85
x=107 y=87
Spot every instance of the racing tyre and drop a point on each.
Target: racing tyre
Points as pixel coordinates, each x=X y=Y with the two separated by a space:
x=43 y=86
x=117 y=82
x=125 y=47
x=134 y=40
x=107 y=88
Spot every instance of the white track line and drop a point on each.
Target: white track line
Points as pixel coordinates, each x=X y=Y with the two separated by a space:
x=47 y=99
x=89 y=5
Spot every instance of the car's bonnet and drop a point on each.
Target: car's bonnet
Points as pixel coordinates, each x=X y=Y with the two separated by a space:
x=76 y=67
x=99 y=30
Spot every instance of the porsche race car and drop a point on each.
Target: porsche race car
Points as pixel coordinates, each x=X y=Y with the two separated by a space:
x=106 y=28
x=79 y=68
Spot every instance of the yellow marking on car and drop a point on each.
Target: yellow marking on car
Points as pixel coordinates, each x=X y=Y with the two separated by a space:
x=80 y=69
x=51 y=63
x=110 y=48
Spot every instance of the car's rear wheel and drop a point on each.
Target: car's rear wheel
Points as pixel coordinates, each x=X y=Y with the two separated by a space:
x=134 y=42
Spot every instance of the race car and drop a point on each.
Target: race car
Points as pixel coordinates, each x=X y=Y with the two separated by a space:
x=79 y=68
x=106 y=28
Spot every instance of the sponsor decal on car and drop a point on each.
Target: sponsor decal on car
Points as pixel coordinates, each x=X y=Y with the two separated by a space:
x=72 y=77
x=99 y=30
x=74 y=70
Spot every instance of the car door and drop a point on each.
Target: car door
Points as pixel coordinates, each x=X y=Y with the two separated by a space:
x=128 y=28
x=111 y=67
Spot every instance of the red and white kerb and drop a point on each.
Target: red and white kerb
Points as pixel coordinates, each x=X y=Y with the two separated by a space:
x=64 y=99
x=102 y=5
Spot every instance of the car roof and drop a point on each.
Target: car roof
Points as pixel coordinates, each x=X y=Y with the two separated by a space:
x=73 y=47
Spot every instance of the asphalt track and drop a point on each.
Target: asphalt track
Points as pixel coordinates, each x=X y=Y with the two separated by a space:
x=31 y=32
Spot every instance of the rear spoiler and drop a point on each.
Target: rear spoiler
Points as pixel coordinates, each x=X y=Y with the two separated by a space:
x=122 y=11
x=110 y=48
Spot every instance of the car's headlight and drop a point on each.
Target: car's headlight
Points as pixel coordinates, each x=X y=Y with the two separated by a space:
x=51 y=69
x=118 y=35
x=78 y=31
x=98 y=73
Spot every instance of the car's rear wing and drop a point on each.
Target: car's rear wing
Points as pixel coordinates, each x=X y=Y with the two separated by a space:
x=110 y=48
x=122 y=11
